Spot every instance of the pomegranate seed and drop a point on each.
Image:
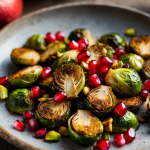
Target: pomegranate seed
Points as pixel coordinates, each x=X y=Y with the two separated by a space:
x=82 y=47
x=84 y=40
x=96 y=148
x=146 y=85
x=115 y=59
x=120 y=52
x=36 y=92
x=120 y=110
x=103 y=144
x=83 y=55
x=60 y=36
x=46 y=72
x=50 y=37
x=144 y=94
x=33 y=124
x=102 y=71
x=119 y=139
x=27 y=116
x=60 y=96
x=130 y=135
x=93 y=67
x=39 y=134
x=94 y=80
x=19 y=125
x=3 y=81
x=73 y=45
x=104 y=62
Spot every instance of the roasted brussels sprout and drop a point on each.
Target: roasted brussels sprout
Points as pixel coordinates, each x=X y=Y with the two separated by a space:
x=121 y=124
x=136 y=62
x=25 y=56
x=84 y=127
x=146 y=69
x=82 y=33
x=124 y=81
x=68 y=56
x=112 y=39
x=51 y=51
x=25 y=76
x=141 y=45
x=36 y=42
x=20 y=100
x=69 y=78
x=101 y=100
x=147 y=104
x=51 y=114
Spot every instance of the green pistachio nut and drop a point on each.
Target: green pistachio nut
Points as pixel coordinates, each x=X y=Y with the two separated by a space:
x=3 y=92
x=130 y=32
x=52 y=136
x=106 y=136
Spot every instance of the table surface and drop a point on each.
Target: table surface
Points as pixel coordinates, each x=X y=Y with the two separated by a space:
x=32 y=5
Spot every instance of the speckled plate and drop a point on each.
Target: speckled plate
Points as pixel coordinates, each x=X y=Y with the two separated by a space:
x=97 y=17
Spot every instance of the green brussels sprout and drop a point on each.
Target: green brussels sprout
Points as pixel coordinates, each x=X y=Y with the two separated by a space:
x=121 y=124
x=101 y=100
x=84 y=127
x=69 y=78
x=20 y=101
x=146 y=69
x=140 y=45
x=25 y=56
x=51 y=114
x=113 y=39
x=147 y=104
x=135 y=61
x=25 y=76
x=124 y=81
x=82 y=33
x=68 y=56
x=51 y=51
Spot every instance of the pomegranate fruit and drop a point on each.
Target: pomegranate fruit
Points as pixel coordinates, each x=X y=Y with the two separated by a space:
x=144 y=94
x=60 y=36
x=94 y=80
x=39 y=134
x=103 y=144
x=33 y=124
x=28 y=115
x=19 y=125
x=93 y=67
x=83 y=55
x=60 y=96
x=130 y=135
x=146 y=85
x=84 y=40
x=119 y=139
x=82 y=47
x=3 y=81
x=120 y=51
x=46 y=71
x=36 y=92
x=73 y=45
x=104 y=62
x=50 y=37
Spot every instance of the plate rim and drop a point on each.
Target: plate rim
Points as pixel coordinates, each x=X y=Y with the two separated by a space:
x=3 y=132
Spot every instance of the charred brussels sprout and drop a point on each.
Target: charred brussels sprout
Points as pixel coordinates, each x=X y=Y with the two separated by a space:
x=141 y=45
x=147 y=104
x=25 y=76
x=69 y=78
x=121 y=124
x=20 y=100
x=146 y=69
x=51 y=51
x=82 y=33
x=36 y=42
x=84 y=127
x=101 y=100
x=136 y=62
x=25 y=56
x=112 y=39
x=51 y=114
x=124 y=81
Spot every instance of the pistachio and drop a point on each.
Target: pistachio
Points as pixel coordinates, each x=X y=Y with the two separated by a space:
x=84 y=65
x=63 y=131
x=43 y=99
x=141 y=118
x=119 y=64
x=3 y=92
x=106 y=136
x=107 y=124
x=130 y=32
x=52 y=136
x=86 y=90
x=45 y=96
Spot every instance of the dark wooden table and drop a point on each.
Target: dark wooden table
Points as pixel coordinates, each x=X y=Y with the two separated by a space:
x=32 y=5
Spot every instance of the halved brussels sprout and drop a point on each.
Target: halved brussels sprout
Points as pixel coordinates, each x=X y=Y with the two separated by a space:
x=141 y=45
x=124 y=81
x=25 y=56
x=84 y=127
x=121 y=124
x=69 y=78
x=101 y=100
x=113 y=39
x=51 y=51
x=25 y=76
x=51 y=114
x=36 y=42
x=136 y=62
x=20 y=100
x=146 y=69
x=68 y=56
x=147 y=104
x=82 y=33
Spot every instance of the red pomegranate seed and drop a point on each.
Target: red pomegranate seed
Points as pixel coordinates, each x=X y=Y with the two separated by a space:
x=146 y=85
x=60 y=96
x=93 y=67
x=3 y=81
x=119 y=139
x=102 y=71
x=115 y=59
x=103 y=144
x=82 y=47
x=33 y=124
x=144 y=94
x=120 y=110
x=120 y=52
x=104 y=62
x=60 y=36
x=83 y=55
x=73 y=45
x=19 y=125
x=36 y=92
x=39 y=134
x=28 y=115
x=50 y=37
x=96 y=148
x=130 y=135
x=94 y=80
x=46 y=72
x=84 y=40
